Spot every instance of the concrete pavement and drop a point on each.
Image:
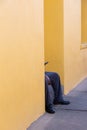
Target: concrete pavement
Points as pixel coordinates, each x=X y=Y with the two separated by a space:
x=67 y=117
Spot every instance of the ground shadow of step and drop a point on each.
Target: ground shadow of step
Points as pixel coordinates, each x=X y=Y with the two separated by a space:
x=76 y=103
x=77 y=97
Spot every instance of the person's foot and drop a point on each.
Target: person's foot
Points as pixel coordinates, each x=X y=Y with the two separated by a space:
x=50 y=110
x=63 y=102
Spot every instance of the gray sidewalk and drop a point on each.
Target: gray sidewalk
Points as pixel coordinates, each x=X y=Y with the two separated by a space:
x=67 y=117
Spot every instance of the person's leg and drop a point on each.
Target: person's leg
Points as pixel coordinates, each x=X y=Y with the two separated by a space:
x=56 y=83
x=48 y=98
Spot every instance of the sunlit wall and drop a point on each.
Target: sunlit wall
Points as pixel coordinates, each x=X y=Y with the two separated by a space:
x=21 y=63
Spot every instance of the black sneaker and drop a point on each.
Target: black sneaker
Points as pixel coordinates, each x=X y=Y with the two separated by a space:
x=63 y=102
x=50 y=110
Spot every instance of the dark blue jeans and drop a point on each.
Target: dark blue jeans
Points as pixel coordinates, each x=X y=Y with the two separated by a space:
x=56 y=85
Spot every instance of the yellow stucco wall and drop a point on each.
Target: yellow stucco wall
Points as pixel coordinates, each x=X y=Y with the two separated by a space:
x=53 y=37
x=75 y=60
x=21 y=63
x=84 y=21
x=63 y=40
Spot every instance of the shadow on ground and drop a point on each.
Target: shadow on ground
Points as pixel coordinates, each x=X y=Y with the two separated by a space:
x=67 y=117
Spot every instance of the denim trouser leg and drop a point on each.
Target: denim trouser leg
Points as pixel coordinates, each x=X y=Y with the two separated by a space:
x=49 y=95
x=56 y=84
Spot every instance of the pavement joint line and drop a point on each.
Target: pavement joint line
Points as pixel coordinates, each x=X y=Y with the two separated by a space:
x=73 y=110
x=78 y=91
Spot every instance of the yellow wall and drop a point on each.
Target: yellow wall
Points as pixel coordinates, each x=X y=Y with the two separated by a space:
x=21 y=63
x=63 y=40
x=75 y=60
x=84 y=21
x=53 y=37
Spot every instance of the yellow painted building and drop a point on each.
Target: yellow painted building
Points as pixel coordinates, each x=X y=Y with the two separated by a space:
x=32 y=32
x=84 y=21
x=21 y=63
x=54 y=36
x=63 y=40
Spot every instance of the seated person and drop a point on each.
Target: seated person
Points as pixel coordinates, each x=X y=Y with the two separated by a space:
x=53 y=79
